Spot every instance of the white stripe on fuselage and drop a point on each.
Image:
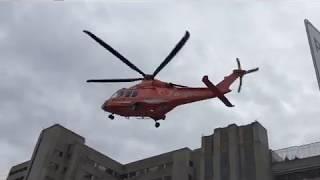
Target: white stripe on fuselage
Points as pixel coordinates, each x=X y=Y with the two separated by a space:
x=154 y=101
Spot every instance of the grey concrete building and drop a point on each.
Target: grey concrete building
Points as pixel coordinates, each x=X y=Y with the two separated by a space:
x=18 y=172
x=230 y=153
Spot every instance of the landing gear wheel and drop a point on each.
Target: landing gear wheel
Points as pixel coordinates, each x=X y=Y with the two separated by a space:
x=111 y=116
x=157 y=125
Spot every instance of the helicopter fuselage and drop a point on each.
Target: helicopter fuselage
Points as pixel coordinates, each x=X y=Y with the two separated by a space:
x=154 y=98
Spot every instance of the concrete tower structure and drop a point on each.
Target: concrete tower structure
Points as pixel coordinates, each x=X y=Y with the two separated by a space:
x=237 y=153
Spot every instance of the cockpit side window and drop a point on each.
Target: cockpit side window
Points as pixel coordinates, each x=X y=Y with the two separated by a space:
x=120 y=93
x=128 y=93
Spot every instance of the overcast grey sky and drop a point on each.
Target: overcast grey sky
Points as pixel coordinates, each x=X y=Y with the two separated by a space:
x=45 y=60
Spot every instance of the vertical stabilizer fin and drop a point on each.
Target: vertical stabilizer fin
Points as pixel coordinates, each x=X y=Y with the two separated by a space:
x=215 y=90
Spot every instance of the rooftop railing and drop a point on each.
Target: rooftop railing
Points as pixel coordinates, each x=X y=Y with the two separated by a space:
x=294 y=152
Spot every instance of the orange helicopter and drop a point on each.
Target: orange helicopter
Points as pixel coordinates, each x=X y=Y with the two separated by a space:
x=152 y=98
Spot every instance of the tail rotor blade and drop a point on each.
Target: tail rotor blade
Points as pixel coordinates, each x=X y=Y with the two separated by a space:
x=114 y=52
x=175 y=50
x=242 y=73
x=240 y=85
x=252 y=70
x=238 y=63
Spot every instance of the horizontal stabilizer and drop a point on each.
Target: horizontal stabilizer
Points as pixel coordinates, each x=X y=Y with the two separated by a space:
x=215 y=90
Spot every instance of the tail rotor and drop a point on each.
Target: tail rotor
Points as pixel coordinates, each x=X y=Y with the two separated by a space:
x=243 y=72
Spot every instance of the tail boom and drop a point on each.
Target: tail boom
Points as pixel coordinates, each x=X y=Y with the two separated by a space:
x=225 y=84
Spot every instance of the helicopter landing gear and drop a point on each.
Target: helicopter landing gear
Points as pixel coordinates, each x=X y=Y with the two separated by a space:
x=111 y=116
x=157 y=124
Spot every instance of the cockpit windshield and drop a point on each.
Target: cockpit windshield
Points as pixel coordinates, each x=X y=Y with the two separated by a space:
x=125 y=93
x=118 y=93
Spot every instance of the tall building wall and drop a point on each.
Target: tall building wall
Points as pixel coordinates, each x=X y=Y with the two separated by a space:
x=236 y=153
x=52 y=154
x=86 y=164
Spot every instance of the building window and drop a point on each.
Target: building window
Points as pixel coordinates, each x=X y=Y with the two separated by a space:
x=19 y=178
x=190 y=163
x=60 y=154
x=64 y=171
x=89 y=176
x=153 y=169
x=157 y=178
x=48 y=178
x=123 y=176
x=53 y=166
x=109 y=171
x=101 y=168
x=168 y=164
x=161 y=166
x=132 y=174
x=69 y=151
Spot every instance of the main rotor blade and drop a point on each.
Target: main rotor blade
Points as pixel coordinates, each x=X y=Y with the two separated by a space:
x=175 y=50
x=114 y=80
x=178 y=85
x=114 y=52
x=252 y=70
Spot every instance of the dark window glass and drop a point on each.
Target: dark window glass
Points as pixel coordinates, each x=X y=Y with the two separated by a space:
x=134 y=93
x=128 y=93
x=120 y=93
x=122 y=176
x=20 y=178
x=190 y=163
x=60 y=154
x=109 y=171
x=168 y=164
x=65 y=169
x=132 y=174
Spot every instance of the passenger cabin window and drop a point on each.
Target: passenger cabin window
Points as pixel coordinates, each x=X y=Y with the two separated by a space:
x=134 y=93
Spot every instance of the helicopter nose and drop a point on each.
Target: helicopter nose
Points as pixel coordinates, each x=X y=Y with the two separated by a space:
x=105 y=105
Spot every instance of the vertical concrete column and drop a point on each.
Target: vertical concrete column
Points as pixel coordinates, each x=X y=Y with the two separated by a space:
x=206 y=164
x=254 y=152
x=234 y=152
x=217 y=154
x=238 y=153
x=181 y=169
x=262 y=153
x=247 y=160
